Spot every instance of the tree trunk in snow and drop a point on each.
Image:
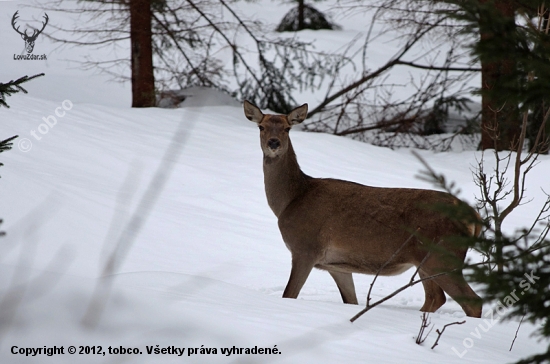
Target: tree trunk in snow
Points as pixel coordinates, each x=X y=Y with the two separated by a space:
x=143 y=79
x=301 y=25
x=500 y=121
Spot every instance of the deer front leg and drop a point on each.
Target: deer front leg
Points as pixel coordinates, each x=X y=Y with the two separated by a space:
x=301 y=267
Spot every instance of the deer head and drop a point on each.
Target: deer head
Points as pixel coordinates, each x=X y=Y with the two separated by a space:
x=29 y=39
x=274 y=128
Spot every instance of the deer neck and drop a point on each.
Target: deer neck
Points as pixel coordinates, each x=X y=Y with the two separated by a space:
x=283 y=179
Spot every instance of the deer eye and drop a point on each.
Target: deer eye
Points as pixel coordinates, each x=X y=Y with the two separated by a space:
x=287 y=129
x=261 y=128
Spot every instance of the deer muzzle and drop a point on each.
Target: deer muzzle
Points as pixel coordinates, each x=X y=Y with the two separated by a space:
x=274 y=144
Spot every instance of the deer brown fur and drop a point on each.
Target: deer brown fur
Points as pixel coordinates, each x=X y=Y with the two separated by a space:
x=344 y=227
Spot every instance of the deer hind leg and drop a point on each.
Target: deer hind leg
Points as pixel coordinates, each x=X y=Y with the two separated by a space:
x=344 y=281
x=301 y=267
x=456 y=286
x=435 y=298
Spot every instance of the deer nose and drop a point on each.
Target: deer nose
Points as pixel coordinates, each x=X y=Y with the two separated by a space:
x=273 y=143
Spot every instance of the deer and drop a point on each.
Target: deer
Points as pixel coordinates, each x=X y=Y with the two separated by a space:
x=29 y=39
x=345 y=227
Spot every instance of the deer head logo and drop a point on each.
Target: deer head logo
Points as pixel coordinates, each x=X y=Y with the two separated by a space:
x=29 y=39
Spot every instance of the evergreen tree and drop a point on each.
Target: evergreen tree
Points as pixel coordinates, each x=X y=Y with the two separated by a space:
x=304 y=16
x=8 y=89
x=515 y=272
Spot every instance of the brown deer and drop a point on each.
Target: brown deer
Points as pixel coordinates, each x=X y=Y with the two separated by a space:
x=344 y=227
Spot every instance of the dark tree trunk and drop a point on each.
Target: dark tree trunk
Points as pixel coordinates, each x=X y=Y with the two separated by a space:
x=500 y=121
x=143 y=79
x=301 y=25
x=540 y=109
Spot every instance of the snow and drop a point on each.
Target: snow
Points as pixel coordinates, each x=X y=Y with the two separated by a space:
x=208 y=266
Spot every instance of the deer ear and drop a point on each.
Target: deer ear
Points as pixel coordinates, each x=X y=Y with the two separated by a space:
x=298 y=115
x=252 y=112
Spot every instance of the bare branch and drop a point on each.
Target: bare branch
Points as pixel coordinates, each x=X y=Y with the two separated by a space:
x=516 y=335
x=392 y=62
x=443 y=330
x=435 y=68
x=425 y=323
x=387 y=262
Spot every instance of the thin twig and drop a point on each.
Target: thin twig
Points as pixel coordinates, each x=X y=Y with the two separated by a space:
x=386 y=263
x=411 y=283
x=515 y=337
x=423 y=325
x=436 y=68
x=442 y=330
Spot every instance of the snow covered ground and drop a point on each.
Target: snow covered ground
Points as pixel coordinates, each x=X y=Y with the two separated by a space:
x=208 y=267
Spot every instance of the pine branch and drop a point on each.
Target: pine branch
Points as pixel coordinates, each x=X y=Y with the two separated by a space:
x=7 y=144
x=14 y=87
